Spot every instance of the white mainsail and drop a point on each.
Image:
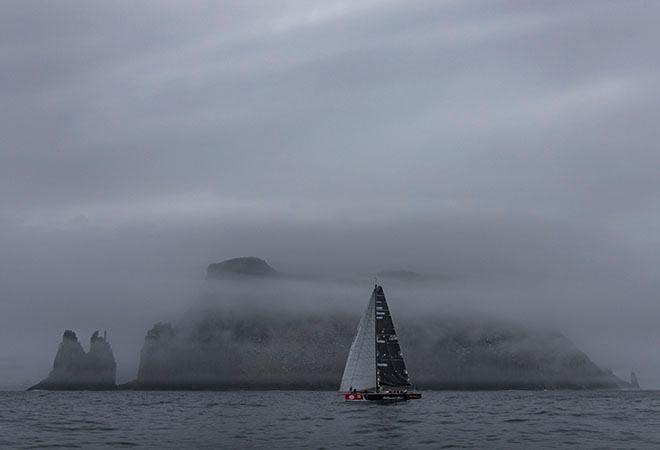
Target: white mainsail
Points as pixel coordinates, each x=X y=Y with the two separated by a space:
x=360 y=370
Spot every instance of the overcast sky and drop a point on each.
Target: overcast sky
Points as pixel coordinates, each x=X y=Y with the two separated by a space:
x=509 y=144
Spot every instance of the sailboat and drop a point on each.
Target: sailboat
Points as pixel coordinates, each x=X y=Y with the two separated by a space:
x=375 y=369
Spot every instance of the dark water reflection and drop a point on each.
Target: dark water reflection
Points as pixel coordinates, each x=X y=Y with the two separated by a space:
x=511 y=419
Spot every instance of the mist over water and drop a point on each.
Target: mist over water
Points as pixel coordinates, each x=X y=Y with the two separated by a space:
x=125 y=288
x=507 y=152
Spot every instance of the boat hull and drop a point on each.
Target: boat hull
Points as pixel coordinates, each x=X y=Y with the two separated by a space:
x=381 y=396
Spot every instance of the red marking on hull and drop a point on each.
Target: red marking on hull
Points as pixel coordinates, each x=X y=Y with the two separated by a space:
x=352 y=397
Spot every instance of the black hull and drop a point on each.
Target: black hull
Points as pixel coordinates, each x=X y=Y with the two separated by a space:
x=389 y=397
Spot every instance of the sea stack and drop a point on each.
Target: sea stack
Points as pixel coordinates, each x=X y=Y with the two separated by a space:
x=74 y=369
x=634 y=384
x=154 y=370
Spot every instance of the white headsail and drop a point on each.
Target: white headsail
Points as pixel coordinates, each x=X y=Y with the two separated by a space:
x=360 y=370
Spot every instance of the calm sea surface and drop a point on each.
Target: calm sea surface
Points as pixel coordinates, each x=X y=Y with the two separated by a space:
x=508 y=419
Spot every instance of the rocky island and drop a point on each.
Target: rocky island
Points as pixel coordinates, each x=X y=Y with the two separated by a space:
x=264 y=347
x=75 y=369
x=256 y=329
x=309 y=352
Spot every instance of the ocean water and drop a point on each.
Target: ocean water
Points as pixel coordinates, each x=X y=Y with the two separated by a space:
x=278 y=419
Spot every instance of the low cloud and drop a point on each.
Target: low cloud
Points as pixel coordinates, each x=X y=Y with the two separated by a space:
x=509 y=148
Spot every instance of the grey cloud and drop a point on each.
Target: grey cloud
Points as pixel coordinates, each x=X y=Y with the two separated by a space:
x=508 y=145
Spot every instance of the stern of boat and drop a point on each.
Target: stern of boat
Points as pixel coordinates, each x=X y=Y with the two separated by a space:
x=381 y=396
x=354 y=397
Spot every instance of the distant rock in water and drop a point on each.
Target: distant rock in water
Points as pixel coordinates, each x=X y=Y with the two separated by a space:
x=247 y=265
x=241 y=352
x=73 y=369
x=634 y=384
x=305 y=350
x=460 y=354
x=155 y=358
x=287 y=334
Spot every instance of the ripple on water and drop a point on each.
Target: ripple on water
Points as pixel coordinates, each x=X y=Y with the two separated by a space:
x=320 y=420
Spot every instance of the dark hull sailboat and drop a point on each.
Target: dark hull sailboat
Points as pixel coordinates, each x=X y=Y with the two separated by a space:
x=375 y=369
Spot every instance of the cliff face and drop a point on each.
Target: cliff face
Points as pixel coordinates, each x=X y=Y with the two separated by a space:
x=497 y=355
x=222 y=352
x=74 y=369
x=634 y=384
x=156 y=356
x=256 y=331
x=229 y=350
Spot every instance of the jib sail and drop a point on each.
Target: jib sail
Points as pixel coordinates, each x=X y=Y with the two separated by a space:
x=359 y=370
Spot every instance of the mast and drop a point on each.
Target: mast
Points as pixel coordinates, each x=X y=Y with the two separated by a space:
x=376 y=339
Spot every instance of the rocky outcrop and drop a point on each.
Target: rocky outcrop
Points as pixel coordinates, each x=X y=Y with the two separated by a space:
x=237 y=267
x=272 y=334
x=239 y=352
x=155 y=359
x=464 y=354
x=74 y=369
x=308 y=351
x=634 y=384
